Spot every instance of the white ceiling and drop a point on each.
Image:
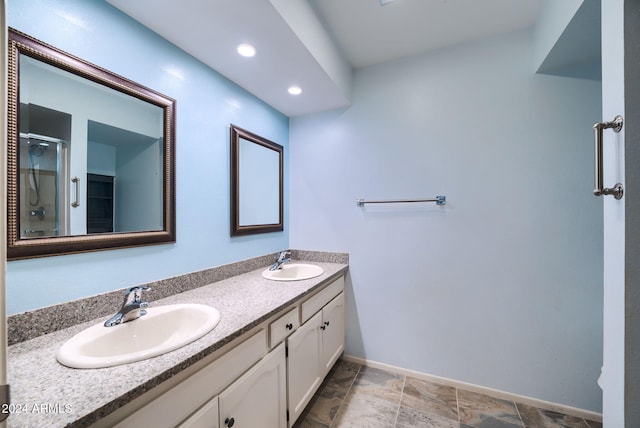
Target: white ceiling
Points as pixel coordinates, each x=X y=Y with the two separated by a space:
x=370 y=34
x=311 y=43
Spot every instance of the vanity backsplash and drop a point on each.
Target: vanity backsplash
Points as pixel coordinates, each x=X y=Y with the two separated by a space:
x=31 y=324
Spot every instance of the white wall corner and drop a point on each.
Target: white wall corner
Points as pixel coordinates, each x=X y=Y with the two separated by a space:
x=303 y=21
x=554 y=19
x=567 y=39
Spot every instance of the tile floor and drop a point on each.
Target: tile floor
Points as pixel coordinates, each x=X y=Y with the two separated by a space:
x=364 y=397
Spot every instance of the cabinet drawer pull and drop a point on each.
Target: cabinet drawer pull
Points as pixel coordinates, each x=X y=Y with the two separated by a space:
x=229 y=422
x=289 y=326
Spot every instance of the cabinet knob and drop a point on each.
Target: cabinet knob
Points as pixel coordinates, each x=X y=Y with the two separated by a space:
x=326 y=323
x=229 y=422
x=289 y=326
x=323 y=327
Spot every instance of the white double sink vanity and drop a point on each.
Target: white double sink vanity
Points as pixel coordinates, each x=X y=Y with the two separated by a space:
x=274 y=344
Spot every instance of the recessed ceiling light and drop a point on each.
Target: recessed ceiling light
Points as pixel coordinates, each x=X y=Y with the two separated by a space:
x=246 y=50
x=295 y=90
x=383 y=2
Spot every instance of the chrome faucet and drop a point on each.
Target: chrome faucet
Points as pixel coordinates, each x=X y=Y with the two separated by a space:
x=283 y=257
x=132 y=307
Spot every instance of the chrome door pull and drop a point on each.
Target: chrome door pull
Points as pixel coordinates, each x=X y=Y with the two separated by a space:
x=617 y=191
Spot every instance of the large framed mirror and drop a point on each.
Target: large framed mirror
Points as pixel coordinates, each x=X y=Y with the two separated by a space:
x=91 y=156
x=256 y=184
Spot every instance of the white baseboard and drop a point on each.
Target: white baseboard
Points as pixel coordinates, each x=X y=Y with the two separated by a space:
x=555 y=407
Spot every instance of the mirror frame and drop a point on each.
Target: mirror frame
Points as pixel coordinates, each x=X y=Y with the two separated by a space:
x=236 y=228
x=22 y=248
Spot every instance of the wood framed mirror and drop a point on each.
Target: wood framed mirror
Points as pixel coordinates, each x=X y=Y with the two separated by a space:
x=91 y=156
x=256 y=184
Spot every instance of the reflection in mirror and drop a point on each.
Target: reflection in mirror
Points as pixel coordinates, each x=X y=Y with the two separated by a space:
x=94 y=155
x=124 y=169
x=256 y=184
x=259 y=184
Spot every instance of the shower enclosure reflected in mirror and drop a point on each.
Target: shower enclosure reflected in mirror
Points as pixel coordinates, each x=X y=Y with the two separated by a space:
x=42 y=167
x=256 y=184
x=90 y=156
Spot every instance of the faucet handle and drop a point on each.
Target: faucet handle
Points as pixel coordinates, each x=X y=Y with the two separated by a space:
x=283 y=254
x=134 y=294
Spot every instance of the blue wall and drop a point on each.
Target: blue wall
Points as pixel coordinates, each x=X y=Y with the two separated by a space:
x=502 y=287
x=207 y=103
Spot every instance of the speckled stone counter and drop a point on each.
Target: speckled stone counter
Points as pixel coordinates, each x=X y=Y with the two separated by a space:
x=47 y=394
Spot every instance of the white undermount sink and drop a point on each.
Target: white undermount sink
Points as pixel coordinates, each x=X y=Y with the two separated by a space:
x=162 y=329
x=293 y=272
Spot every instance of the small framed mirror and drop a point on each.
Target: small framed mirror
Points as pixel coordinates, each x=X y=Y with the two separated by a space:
x=256 y=184
x=91 y=156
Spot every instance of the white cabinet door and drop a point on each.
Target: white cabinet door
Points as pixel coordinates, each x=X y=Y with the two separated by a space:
x=258 y=398
x=206 y=417
x=332 y=332
x=304 y=365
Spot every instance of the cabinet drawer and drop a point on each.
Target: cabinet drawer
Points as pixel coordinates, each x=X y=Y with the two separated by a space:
x=283 y=327
x=315 y=303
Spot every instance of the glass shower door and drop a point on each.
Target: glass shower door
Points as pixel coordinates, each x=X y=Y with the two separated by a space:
x=43 y=178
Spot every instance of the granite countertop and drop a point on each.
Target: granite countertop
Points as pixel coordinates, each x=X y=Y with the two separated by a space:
x=45 y=393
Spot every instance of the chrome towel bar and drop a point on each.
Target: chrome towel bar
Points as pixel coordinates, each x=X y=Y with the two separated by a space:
x=439 y=200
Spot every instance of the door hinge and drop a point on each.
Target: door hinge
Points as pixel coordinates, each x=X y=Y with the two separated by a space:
x=286 y=351
x=4 y=402
x=287 y=415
